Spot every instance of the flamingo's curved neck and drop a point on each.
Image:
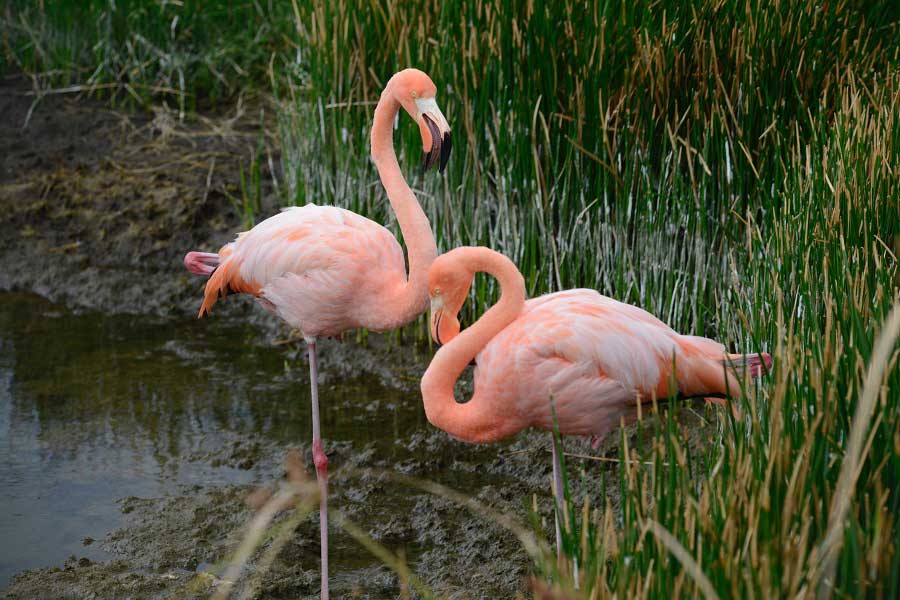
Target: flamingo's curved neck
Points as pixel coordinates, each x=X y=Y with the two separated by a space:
x=476 y=420
x=412 y=298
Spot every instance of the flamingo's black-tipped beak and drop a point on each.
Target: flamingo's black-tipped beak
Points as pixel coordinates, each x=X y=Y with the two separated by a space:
x=437 y=330
x=437 y=311
x=446 y=147
x=438 y=130
x=437 y=154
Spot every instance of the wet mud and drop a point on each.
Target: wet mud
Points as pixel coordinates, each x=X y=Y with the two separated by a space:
x=132 y=435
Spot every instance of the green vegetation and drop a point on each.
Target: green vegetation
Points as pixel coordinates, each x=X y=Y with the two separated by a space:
x=732 y=167
x=192 y=52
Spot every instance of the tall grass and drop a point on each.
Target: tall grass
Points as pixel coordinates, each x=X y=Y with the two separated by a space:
x=733 y=167
x=193 y=52
x=816 y=280
x=587 y=128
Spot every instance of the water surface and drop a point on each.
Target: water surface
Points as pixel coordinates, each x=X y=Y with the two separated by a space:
x=96 y=408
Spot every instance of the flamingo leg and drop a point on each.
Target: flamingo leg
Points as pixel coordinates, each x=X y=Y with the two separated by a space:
x=321 y=462
x=557 y=495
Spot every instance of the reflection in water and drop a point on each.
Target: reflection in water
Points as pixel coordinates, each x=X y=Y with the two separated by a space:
x=96 y=408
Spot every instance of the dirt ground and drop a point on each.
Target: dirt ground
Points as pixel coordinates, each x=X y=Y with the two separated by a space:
x=99 y=205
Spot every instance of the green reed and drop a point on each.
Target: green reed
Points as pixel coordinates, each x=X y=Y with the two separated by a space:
x=580 y=130
x=815 y=279
x=731 y=167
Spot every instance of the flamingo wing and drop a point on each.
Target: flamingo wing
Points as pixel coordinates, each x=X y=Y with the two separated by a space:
x=311 y=265
x=593 y=355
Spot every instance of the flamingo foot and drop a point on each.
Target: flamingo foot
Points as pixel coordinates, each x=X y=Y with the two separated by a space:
x=201 y=263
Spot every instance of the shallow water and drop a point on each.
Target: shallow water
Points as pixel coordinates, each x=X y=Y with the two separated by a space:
x=97 y=408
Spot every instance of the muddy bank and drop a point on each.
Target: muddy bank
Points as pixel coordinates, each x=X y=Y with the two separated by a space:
x=131 y=443
x=100 y=206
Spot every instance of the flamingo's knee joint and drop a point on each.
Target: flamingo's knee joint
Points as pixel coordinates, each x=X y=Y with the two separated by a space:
x=319 y=458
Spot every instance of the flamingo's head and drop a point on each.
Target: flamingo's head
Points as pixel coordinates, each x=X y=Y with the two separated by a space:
x=201 y=263
x=448 y=285
x=416 y=93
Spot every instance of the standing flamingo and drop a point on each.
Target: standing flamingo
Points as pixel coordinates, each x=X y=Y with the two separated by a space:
x=594 y=358
x=325 y=270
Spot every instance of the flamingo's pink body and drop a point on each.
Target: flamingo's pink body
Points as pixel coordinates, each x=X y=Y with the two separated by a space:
x=325 y=270
x=594 y=357
x=586 y=359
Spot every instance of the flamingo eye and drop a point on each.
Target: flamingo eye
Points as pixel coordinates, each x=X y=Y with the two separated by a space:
x=415 y=94
x=435 y=292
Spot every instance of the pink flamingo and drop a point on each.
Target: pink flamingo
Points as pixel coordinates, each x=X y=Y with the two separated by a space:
x=594 y=358
x=325 y=270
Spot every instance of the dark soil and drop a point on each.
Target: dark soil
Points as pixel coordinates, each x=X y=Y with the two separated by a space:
x=99 y=205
